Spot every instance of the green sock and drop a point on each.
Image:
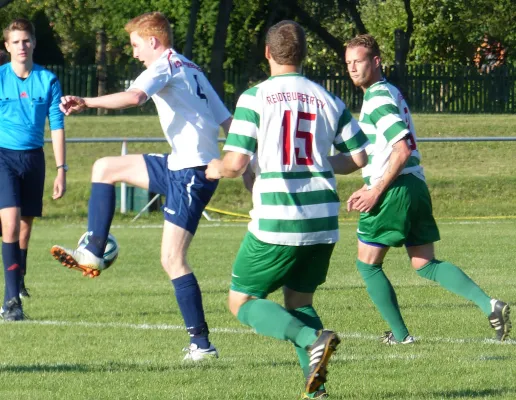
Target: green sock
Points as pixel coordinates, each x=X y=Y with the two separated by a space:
x=383 y=296
x=309 y=317
x=270 y=319
x=456 y=281
x=317 y=392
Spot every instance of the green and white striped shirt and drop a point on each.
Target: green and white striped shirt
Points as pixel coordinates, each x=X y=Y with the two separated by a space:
x=288 y=125
x=385 y=119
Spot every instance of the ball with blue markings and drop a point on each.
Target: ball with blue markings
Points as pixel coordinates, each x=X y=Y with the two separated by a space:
x=110 y=251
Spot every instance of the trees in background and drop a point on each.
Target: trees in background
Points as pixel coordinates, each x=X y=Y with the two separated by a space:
x=230 y=33
x=3 y=3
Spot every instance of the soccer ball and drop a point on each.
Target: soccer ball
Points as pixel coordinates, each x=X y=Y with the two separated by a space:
x=110 y=252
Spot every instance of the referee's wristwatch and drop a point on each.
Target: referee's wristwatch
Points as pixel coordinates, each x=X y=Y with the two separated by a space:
x=64 y=166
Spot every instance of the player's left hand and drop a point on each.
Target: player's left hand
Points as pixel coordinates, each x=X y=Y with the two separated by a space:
x=363 y=200
x=213 y=172
x=59 y=185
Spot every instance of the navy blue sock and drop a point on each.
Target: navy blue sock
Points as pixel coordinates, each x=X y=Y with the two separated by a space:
x=101 y=209
x=12 y=268
x=189 y=299
x=23 y=266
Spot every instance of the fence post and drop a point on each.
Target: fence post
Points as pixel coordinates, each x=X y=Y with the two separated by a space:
x=101 y=61
x=123 y=185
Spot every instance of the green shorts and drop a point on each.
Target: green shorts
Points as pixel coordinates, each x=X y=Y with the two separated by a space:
x=261 y=268
x=403 y=216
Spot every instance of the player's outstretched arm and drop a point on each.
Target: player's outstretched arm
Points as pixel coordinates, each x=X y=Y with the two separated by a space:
x=115 y=101
x=343 y=164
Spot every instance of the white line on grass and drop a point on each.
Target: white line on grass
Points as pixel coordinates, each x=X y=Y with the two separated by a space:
x=377 y=357
x=478 y=222
x=158 y=327
x=343 y=335
x=222 y=224
x=228 y=224
x=156 y=226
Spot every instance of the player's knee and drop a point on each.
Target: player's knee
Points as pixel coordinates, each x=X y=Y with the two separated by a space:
x=418 y=263
x=101 y=171
x=233 y=307
x=236 y=300
x=175 y=265
x=367 y=267
x=428 y=270
x=166 y=262
x=10 y=234
x=10 y=230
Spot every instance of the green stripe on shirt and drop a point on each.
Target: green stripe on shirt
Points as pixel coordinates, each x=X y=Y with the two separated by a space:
x=382 y=111
x=376 y=93
x=356 y=142
x=345 y=118
x=371 y=138
x=299 y=199
x=299 y=225
x=251 y=92
x=394 y=130
x=296 y=175
x=366 y=119
x=246 y=114
x=244 y=142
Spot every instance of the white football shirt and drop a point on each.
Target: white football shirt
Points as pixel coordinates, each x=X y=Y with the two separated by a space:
x=189 y=109
x=289 y=125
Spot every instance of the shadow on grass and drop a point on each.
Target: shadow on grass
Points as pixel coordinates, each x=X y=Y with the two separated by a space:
x=478 y=393
x=112 y=367
x=508 y=393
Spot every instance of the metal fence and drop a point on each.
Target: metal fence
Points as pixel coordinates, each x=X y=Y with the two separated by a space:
x=427 y=88
x=435 y=88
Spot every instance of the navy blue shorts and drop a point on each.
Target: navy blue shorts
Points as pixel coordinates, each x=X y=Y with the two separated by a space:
x=187 y=191
x=22 y=179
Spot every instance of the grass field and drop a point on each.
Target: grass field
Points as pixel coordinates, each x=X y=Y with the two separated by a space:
x=120 y=336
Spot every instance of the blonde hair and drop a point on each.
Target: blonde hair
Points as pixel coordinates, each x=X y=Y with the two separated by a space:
x=151 y=24
x=20 y=24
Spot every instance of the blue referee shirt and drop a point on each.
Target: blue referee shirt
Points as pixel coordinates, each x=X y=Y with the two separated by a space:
x=24 y=106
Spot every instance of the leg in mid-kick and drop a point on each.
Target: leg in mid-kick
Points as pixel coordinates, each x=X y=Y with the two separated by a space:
x=106 y=173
